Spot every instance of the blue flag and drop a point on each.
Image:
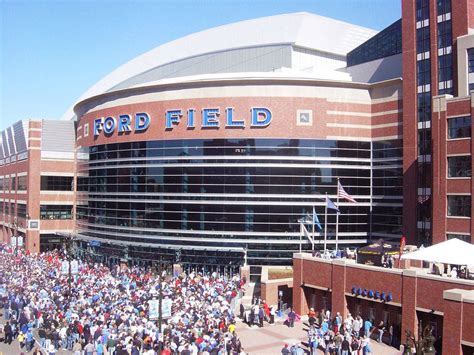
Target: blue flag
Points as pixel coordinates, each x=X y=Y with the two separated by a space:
x=316 y=220
x=331 y=205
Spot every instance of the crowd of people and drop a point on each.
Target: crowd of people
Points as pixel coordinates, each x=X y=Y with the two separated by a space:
x=336 y=335
x=105 y=310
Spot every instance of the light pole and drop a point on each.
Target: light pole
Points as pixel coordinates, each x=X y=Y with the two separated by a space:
x=15 y=228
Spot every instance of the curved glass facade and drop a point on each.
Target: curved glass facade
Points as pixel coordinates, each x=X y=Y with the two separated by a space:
x=218 y=201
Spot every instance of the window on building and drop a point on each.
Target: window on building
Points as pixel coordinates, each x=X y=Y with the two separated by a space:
x=443 y=6
x=459 y=166
x=463 y=237
x=459 y=127
x=56 y=211
x=423 y=39
x=445 y=67
x=424 y=106
x=471 y=87
x=2 y=209
x=424 y=142
x=21 y=210
x=6 y=183
x=470 y=59
x=459 y=205
x=13 y=183
x=22 y=182
x=423 y=72
x=2 y=182
x=56 y=183
x=445 y=38
x=12 y=209
x=422 y=9
x=86 y=130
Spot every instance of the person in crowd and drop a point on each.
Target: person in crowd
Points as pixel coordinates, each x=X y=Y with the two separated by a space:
x=381 y=329
x=367 y=327
x=285 y=350
x=8 y=333
x=291 y=318
x=311 y=317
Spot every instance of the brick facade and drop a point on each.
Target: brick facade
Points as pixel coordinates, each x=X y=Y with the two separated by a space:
x=416 y=296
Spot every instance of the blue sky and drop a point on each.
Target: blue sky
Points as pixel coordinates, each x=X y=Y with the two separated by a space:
x=53 y=51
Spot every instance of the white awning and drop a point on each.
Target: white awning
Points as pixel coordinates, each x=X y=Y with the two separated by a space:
x=453 y=251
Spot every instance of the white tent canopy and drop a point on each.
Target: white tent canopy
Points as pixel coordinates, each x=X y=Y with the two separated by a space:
x=452 y=251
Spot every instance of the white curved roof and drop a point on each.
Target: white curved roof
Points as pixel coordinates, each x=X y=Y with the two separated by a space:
x=301 y=29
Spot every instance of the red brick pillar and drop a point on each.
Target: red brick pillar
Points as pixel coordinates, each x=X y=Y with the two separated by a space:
x=452 y=321
x=32 y=242
x=338 y=281
x=299 y=299
x=409 y=317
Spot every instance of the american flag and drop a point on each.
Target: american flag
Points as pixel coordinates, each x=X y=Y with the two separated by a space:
x=343 y=194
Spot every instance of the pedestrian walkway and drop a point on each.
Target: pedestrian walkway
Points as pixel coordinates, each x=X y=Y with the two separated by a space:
x=271 y=338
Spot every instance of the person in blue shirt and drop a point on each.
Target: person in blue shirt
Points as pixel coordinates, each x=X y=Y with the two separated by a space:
x=30 y=341
x=367 y=327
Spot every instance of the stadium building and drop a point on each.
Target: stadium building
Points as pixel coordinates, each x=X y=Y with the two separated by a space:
x=211 y=148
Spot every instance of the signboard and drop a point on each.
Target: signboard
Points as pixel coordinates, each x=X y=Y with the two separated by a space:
x=260 y=117
x=17 y=241
x=74 y=267
x=153 y=308
x=65 y=267
x=33 y=224
x=166 y=307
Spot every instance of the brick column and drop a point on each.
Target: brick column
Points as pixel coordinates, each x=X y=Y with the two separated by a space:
x=452 y=322
x=299 y=299
x=409 y=290
x=338 y=281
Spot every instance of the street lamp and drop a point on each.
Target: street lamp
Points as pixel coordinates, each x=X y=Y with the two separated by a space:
x=68 y=239
x=15 y=227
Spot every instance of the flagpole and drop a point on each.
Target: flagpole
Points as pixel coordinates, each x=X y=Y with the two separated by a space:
x=337 y=215
x=314 y=212
x=325 y=222
x=301 y=234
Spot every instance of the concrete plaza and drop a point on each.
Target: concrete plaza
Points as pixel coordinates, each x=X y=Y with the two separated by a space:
x=271 y=338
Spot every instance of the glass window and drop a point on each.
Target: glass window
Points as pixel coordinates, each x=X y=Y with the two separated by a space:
x=459 y=127
x=424 y=106
x=22 y=182
x=56 y=211
x=459 y=166
x=422 y=9
x=445 y=67
x=463 y=237
x=424 y=142
x=423 y=39
x=444 y=34
x=443 y=6
x=21 y=210
x=423 y=72
x=459 y=206
x=56 y=183
x=386 y=43
x=470 y=58
x=13 y=181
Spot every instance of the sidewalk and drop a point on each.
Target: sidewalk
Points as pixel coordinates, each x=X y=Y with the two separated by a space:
x=271 y=338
